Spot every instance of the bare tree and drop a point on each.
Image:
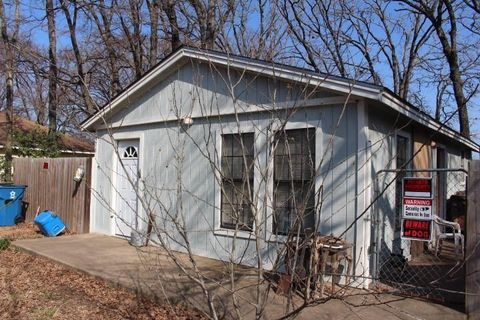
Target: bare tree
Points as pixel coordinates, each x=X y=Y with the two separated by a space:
x=402 y=56
x=388 y=43
x=71 y=20
x=104 y=26
x=443 y=17
x=30 y=81
x=53 y=73
x=9 y=40
x=323 y=21
x=171 y=25
x=264 y=42
x=133 y=33
x=329 y=35
x=207 y=19
x=153 y=9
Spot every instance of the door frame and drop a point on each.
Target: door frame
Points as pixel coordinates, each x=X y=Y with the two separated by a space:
x=405 y=247
x=440 y=199
x=116 y=137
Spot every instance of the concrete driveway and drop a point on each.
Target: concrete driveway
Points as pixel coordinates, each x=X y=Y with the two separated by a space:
x=150 y=271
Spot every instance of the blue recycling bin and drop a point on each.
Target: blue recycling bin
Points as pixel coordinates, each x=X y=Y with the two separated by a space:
x=11 y=196
x=49 y=223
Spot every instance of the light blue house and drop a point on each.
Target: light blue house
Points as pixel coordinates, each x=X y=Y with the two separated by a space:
x=224 y=153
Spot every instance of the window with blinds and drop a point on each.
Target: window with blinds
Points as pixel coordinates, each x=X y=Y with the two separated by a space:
x=294 y=186
x=237 y=181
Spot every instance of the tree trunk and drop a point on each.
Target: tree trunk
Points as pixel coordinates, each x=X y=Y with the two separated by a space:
x=8 y=44
x=71 y=22
x=153 y=9
x=211 y=29
x=104 y=27
x=451 y=54
x=134 y=38
x=53 y=71
x=169 y=9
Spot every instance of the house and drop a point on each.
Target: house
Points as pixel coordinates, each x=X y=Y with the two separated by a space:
x=228 y=154
x=69 y=145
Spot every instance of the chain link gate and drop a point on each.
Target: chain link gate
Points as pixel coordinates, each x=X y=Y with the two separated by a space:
x=434 y=269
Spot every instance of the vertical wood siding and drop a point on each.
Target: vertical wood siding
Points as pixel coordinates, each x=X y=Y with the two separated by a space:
x=423 y=152
x=200 y=93
x=54 y=189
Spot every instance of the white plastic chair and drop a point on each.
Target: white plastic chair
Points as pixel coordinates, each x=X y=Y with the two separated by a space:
x=441 y=226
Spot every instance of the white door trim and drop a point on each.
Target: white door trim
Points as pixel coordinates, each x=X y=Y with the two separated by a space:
x=141 y=165
x=126 y=209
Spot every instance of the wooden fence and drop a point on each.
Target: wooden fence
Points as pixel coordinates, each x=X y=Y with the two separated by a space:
x=472 y=279
x=51 y=187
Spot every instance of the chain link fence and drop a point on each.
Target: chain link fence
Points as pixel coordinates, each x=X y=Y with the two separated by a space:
x=429 y=269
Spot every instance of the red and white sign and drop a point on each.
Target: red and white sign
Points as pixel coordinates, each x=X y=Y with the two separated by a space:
x=420 y=230
x=417 y=187
x=414 y=208
x=417 y=213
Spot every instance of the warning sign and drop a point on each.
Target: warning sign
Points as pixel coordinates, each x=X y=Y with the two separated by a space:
x=417 y=209
x=417 y=213
x=417 y=187
x=413 y=229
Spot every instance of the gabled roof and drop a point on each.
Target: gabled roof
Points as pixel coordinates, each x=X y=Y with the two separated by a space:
x=279 y=71
x=67 y=143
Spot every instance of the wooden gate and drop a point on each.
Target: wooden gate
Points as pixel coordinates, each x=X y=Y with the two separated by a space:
x=472 y=281
x=51 y=187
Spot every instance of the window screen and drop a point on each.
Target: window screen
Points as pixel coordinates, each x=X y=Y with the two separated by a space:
x=237 y=181
x=294 y=172
x=402 y=152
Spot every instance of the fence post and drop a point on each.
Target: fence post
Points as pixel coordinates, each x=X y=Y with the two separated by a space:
x=376 y=232
x=472 y=277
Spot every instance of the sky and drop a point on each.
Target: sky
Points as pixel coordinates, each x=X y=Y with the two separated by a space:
x=36 y=27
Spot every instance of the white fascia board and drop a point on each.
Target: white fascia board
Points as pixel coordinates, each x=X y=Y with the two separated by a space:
x=277 y=71
x=398 y=105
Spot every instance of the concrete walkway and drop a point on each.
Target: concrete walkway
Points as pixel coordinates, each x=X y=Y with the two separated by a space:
x=150 y=271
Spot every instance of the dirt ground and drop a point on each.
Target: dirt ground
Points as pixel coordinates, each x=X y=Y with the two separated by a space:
x=35 y=288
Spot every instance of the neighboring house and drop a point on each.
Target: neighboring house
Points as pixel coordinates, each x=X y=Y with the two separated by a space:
x=69 y=146
x=202 y=121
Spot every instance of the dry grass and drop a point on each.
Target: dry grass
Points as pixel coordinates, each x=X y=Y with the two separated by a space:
x=26 y=230
x=35 y=288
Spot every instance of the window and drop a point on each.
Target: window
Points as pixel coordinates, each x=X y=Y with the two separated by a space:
x=130 y=152
x=237 y=181
x=402 y=152
x=294 y=172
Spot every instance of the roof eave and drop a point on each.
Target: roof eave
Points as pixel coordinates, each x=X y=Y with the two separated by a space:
x=346 y=86
x=397 y=104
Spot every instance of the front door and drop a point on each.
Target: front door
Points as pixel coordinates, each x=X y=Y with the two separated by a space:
x=126 y=186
